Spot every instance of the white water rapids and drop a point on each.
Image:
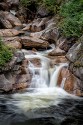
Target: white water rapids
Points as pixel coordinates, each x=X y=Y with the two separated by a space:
x=43 y=91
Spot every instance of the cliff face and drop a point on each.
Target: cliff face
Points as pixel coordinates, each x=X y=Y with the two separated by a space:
x=75 y=56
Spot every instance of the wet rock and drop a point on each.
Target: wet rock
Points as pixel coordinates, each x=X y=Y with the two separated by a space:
x=10 y=32
x=68 y=78
x=7 y=16
x=13 y=42
x=57 y=52
x=5 y=85
x=36 y=62
x=57 y=59
x=31 y=42
x=69 y=82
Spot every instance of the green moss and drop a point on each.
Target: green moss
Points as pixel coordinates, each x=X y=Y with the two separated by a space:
x=5 y=53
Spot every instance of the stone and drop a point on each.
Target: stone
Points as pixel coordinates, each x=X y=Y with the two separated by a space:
x=20 y=56
x=57 y=52
x=36 y=34
x=8 y=65
x=50 y=33
x=22 y=14
x=66 y=44
x=5 y=24
x=73 y=51
x=57 y=59
x=42 y=11
x=3 y=6
x=10 y=32
x=31 y=42
x=36 y=25
x=7 y=16
x=12 y=3
x=5 y=85
x=13 y=42
x=71 y=84
x=75 y=56
x=36 y=62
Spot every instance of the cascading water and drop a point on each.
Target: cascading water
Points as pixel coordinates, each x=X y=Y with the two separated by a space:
x=55 y=74
x=43 y=93
x=44 y=82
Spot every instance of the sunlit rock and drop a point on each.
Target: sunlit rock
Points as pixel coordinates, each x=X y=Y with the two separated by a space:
x=13 y=42
x=31 y=42
x=10 y=32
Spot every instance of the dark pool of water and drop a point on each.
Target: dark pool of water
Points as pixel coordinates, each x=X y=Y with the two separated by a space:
x=68 y=112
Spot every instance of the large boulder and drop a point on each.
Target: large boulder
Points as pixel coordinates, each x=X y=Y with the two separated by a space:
x=65 y=43
x=22 y=14
x=57 y=52
x=3 y=6
x=5 y=85
x=31 y=42
x=5 y=24
x=9 y=17
x=12 y=3
x=15 y=75
x=13 y=42
x=36 y=25
x=42 y=11
x=10 y=32
x=69 y=82
x=75 y=56
x=50 y=33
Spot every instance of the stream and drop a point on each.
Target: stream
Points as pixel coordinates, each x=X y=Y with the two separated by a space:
x=44 y=103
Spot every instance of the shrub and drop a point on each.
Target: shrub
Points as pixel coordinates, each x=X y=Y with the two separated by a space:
x=50 y=4
x=5 y=53
x=72 y=13
x=25 y=2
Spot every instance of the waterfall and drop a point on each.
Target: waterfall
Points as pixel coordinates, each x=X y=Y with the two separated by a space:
x=43 y=76
x=39 y=74
x=63 y=83
x=43 y=91
x=55 y=75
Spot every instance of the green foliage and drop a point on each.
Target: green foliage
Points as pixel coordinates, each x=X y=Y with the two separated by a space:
x=51 y=5
x=72 y=13
x=25 y=2
x=5 y=53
